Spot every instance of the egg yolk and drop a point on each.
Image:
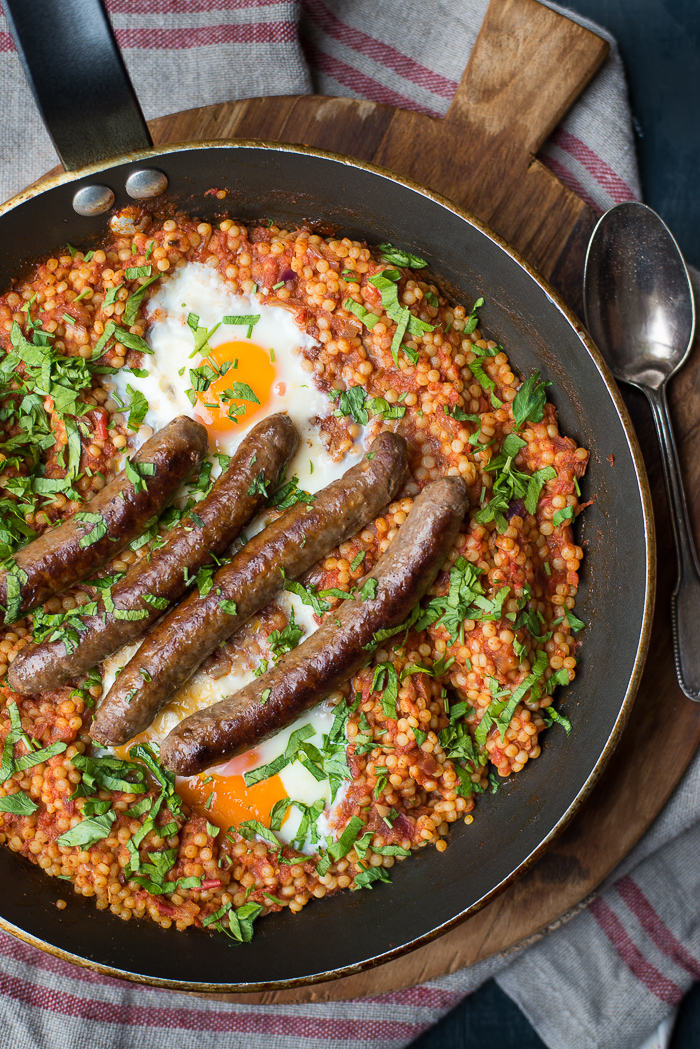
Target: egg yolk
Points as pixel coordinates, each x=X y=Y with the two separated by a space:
x=227 y=402
x=232 y=803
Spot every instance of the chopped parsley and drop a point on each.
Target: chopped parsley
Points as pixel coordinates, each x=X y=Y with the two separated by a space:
x=486 y=382
x=98 y=530
x=131 y=341
x=472 y=322
x=399 y=257
x=551 y=715
x=529 y=402
x=283 y=641
x=133 y=303
x=511 y=484
x=258 y=486
x=309 y=596
x=289 y=494
x=136 y=472
x=365 y=879
x=138 y=407
x=357 y=560
x=574 y=622
x=19 y=804
x=386 y=681
x=356 y=404
x=249 y=319
x=367 y=318
x=89 y=830
x=562 y=516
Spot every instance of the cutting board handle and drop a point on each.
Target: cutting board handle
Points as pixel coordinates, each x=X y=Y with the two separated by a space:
x=527 y=67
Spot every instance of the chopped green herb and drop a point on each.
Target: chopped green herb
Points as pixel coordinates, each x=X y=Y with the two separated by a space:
x=288 y=494
x=136 y=472
x=505 y=716
x=249 y=319
x=252 y=828
x=529 y=402
x=258 y=486
x=486 y=382
x=562 y=516
x=283 y=641
x=89 y=831
x=385 y=282
x=98 y=530
x=472 y=322
x=399 y=257
x=367 y=318
x=574 y=622
x=132 y=342
x=535 y=485
x=352 y=402
x=243 y=392
x=386 y=681
x=155 y=601
x=19 y=804
x=133 y=303
x=309 y=596
x=366 y=879
x=134 y=272
x=347 y=839
x=551 y=715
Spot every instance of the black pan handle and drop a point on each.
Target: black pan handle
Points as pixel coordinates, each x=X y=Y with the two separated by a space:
x=78 y=78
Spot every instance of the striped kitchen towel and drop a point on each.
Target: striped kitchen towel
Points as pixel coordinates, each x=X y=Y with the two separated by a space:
x=607 y=978
x=411 y=53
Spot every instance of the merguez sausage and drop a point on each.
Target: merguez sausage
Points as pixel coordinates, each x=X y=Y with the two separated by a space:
x=208 y=530
x=64 y=555
x=336 y=651
x=287 y=548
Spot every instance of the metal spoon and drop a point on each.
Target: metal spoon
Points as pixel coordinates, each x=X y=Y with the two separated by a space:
x=638 y=303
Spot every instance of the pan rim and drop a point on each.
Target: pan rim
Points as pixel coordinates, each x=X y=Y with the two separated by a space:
x=608 y=380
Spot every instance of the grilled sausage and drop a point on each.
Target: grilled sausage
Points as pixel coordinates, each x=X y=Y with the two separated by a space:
x=64 y=555
x=287 y=548
x=336 y=651
x=208 y=530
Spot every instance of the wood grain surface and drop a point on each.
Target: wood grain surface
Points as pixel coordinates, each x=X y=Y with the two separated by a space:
x=527 y=67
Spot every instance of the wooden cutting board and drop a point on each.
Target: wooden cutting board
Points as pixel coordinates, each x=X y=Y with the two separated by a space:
x=527 y=67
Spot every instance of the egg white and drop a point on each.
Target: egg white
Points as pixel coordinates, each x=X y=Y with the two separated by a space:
x=196 y=288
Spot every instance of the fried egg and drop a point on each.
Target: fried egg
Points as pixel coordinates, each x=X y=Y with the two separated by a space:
x=221 y=793
x=252 y=350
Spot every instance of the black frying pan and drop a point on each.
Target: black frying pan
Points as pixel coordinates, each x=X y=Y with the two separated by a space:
x=92 y=114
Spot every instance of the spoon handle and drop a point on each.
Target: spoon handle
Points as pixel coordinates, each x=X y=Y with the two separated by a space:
x=685 y=602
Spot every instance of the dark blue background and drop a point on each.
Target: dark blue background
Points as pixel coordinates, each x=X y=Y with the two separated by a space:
x=660 y=45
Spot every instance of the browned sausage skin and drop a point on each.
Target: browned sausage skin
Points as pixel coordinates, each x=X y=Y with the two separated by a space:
x=287 y=548
x=207 y=532
x=64 y=556
x=337 y=650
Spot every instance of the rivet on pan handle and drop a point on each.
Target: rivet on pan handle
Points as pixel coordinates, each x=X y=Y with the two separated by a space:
x=78 y=79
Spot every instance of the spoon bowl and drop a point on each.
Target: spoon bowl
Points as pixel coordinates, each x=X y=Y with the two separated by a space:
x=638 y=299
x=639 y=308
